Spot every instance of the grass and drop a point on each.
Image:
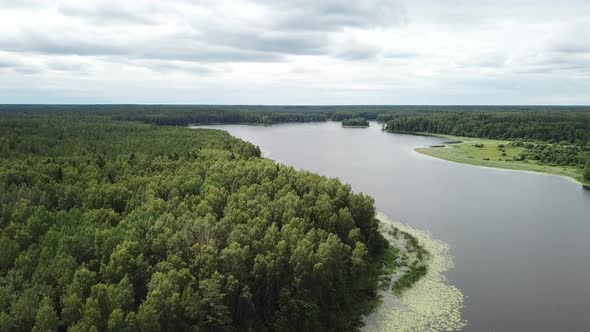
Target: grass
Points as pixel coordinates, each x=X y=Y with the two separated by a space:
x=491 y=156
x=386 y=263
x=412 y=264
x=409 y=278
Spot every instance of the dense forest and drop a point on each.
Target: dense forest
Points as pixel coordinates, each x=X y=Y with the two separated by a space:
x=116 y=226
x=552 y=127
x=355 y=122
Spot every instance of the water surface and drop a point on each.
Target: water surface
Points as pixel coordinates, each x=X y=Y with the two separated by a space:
x=520 y=241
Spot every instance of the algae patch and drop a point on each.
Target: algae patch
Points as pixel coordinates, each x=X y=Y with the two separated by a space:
x=431 y=304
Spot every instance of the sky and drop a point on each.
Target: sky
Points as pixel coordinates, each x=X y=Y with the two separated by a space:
x=318 y=52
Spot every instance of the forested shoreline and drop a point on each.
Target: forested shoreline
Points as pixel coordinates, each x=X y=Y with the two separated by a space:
x=548 y=138
x=554 y=135
x=119 y=226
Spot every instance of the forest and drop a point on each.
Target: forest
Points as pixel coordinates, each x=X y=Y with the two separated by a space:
x=552 y=127
x=111 y=225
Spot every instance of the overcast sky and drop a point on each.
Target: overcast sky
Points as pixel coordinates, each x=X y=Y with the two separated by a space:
x=295 y=52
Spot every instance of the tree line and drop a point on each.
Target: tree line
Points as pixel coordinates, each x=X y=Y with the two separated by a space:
x=182 y=115
x=552 y=127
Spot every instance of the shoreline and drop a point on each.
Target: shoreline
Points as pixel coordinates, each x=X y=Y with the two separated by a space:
x=431 y=304
x=516 y=167
x=568 y=178
x=565 y=177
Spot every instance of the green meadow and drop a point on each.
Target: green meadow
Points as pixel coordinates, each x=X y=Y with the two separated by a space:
x=495 y=153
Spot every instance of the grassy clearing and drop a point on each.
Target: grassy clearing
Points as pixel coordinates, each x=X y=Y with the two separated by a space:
x=495 y=153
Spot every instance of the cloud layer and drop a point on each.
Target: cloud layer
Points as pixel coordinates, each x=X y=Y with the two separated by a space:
x=292 y=52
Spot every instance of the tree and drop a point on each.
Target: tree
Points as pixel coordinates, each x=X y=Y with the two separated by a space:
x=72 y=309
x=117 y=321
x=147 y=318
x=46 y=319
x=9 y=250
x=216 y=312
x=359 y=257
x=24 y=310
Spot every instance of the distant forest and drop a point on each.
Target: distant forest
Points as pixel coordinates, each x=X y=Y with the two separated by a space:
x=561 y=134
x=181 y=115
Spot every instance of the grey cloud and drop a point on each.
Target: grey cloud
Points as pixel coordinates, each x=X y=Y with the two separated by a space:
x=572 y=48
x=177 y=66
x=28 y=70
x=68 y=65
x=300 y=27
x=333 y=15
x=15 y=64
x=27 y=4
x=46 y=43
x=174 y=47
x=399 y=54
x=5 y=63
x=196 y=51
x=486 y=60
x=357 y=52
x=259 y=41
x=304 y=70
x=104 y=14
x=303 y=27
x=554 y=62
x=20 y=67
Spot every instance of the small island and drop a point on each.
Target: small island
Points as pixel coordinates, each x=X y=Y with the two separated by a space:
x=355 y=123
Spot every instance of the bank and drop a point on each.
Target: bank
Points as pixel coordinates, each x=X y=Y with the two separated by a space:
x=431 y=303
x=496 y=154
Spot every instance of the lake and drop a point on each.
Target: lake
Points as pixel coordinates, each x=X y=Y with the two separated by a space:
x=520 y=241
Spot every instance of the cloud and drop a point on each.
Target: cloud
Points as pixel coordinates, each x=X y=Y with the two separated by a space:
x=182 y=67
x=393 y=50
x=333 y=15
x=211 y=32
x=26 y=4
x=104 y=13
x=354 y=49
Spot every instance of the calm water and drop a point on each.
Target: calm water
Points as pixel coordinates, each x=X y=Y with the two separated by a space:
x=521 y=241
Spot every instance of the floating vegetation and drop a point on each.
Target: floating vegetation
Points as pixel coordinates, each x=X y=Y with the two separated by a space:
x=430 y=304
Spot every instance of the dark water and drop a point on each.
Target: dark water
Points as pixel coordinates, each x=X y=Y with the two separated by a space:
x=520 y=241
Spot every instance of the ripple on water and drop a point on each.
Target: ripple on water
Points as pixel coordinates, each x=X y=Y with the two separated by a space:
x=431 y=304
